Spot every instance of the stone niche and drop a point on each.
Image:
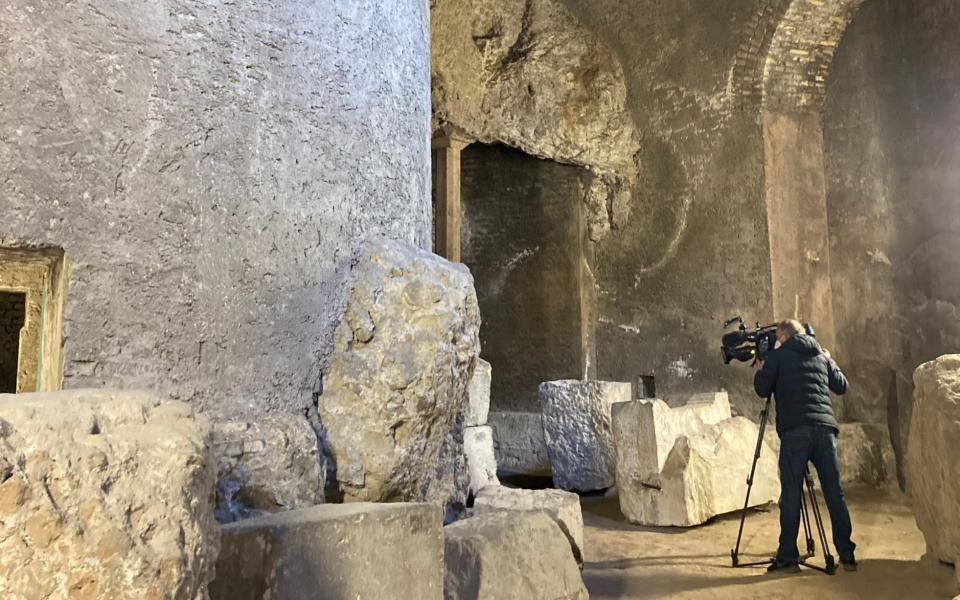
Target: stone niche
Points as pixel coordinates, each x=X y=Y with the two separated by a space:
x=32 y=287
x=523 y=238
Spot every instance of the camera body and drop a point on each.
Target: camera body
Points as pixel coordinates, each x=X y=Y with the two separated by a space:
x=748 y=345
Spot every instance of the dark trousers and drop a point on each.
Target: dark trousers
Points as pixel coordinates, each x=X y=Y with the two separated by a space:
x=819 y=446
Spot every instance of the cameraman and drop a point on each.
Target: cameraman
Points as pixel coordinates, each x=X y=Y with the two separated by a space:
x=801 y=376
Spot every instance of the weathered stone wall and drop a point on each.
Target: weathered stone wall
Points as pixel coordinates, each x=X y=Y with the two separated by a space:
x=208 y=168
x=695 y=249
x=890 y=127
x=523 y=242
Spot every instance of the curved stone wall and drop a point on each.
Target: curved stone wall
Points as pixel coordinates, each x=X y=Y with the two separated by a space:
x=208 y=169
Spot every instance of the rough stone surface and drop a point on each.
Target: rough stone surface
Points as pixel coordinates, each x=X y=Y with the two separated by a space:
x=518 y=442
x=104 y=494
x=933 y=471
x=704 y=476
x=894 y=235
x=495 y=71
x=334 y=552
x=209 y=169
x=510 y=554
x=577 y=431
x=267 y=465
x=562 y=507
x=866 y=456
x=396 y=388
x=478 y=409
x=645 y=430
x=481 y=460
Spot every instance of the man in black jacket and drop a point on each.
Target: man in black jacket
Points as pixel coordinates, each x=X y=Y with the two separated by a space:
x=801 y=375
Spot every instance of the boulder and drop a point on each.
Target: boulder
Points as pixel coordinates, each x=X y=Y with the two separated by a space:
x=518 y=442
x=866 y=456
x=646 y=430
x=562 y=507
x=704 y=476
x=105 y=494
x=269 y=464
x=509 y=554
x=478 y=408
x=932 y=467
x=335 y=552
x=481 y=462
x=396 y=384
x=577 y=431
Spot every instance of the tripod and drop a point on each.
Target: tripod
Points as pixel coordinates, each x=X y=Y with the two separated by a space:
x=808 y=500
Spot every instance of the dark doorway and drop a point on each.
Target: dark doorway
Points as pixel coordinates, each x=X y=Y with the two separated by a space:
x=522 y=237
x=12 y=317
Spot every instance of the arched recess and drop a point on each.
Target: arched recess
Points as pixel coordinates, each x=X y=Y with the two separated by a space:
x=795 y=72
x=534 y=157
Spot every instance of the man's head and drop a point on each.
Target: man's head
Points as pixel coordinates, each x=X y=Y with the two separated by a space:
x=787 y=329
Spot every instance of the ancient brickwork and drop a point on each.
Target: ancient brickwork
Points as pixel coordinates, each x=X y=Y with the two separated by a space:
x=801 y=51
x=522 y=236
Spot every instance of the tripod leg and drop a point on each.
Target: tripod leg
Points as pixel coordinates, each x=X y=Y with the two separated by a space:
x=805 y=515
x=735 y=553
x=831 y=565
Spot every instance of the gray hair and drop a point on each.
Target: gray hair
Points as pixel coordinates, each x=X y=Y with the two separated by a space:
x=791 y=327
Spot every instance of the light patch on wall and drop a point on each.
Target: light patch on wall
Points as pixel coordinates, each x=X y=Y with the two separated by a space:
x=496 y=286
x=681 y=369
x=630 y=329
x=879 y=257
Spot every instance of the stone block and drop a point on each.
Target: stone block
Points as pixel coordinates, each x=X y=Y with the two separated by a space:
x=335 y=552
x=396 y=385
x=518 y=442
x=478 y=408
x=648 y=430
x=265 y=465
x=510 y=554
x=932 y=467
x=562 y=507
x=481 y=461
x=577 y=431
x=104 y=494
x=704 y=476
x=866 y=456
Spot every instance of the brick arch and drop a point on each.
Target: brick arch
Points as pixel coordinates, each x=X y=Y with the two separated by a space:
x=800 y=52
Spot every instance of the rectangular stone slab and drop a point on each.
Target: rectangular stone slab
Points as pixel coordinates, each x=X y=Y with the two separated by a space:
x=481 y=461
x=518 y=442
x=334 y=552
x=577 y=432
x=647 y=430
x=478 y=391
x=509 y=555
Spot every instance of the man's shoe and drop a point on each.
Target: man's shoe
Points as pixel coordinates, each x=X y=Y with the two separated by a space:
x=779 y=567
x=850 y=565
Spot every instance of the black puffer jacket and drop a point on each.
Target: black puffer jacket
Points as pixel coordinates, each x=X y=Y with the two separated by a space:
x=801 y=377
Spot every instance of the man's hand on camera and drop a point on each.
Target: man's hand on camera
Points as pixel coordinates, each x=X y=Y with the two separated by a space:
x=758 y=364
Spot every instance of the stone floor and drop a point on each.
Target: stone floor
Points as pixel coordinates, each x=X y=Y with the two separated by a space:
x=624 y=561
